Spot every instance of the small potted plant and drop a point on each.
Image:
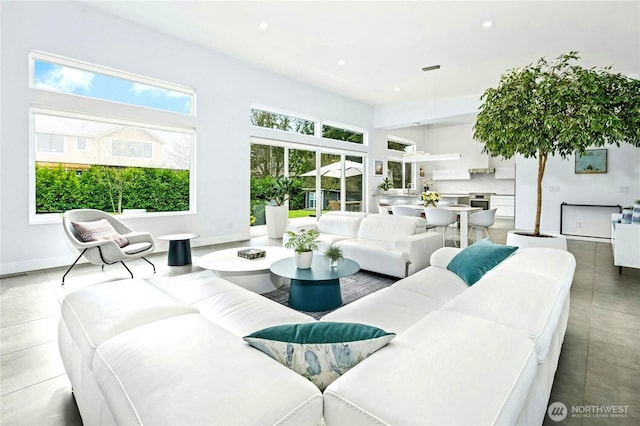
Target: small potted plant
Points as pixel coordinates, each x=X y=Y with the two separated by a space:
x=333 y=253
x=385 y=185
x=304 y=244
x=430 y=198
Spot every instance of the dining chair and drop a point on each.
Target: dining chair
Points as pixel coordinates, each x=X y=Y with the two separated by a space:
x=406 y=211
x=442 y=218
x=481 y=221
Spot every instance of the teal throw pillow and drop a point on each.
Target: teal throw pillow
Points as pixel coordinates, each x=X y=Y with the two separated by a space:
x=320 y=351
x=477 y=259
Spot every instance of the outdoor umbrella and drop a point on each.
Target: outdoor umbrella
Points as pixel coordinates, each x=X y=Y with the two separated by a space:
x=351 y=168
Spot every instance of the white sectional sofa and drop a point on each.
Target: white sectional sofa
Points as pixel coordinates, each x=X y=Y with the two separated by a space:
x=171 y=352
x=393 y=245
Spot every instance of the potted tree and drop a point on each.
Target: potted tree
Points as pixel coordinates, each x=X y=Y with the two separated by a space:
x=304 y=244
x=558 y=108
x=276 y=192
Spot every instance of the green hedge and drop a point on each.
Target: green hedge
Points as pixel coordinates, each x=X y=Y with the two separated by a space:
x=111 y=189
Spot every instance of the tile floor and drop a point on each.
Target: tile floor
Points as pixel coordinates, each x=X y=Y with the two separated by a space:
x=599 y=365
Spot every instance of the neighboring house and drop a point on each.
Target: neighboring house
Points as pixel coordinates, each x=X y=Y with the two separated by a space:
x=120 y=146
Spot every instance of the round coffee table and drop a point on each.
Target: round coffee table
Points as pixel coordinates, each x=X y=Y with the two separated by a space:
x=252 y=274
x=317 y=288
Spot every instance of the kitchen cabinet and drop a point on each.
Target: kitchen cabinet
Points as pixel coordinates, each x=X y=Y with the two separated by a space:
x=451 y=174
x=505 y=205
x=505 y=173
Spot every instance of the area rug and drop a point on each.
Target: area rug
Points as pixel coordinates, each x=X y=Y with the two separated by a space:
x=352 y=288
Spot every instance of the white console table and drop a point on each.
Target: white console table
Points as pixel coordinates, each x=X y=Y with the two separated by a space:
x=625 y=242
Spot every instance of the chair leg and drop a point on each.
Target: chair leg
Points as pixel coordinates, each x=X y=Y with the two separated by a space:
x=74 y=264
x=128 y=270
x=154 y=266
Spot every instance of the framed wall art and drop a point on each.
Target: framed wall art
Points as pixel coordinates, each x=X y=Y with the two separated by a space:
x=592 y=161
x=378 y=167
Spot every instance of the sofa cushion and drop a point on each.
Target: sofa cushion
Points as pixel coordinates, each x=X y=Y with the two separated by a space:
x=345 y=225
x=228 y=305
x=95 y=314
x=448 y=368
x=473 y=262
x=438 y=284
x=528 y=302
x=392 y=309
x=552 y=263
x=374 y=255
x=186 y=370
x=388 y=228
x=320 y=351
x=98 y=230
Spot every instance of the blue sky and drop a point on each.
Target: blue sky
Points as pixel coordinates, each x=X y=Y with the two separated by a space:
x=72 y=80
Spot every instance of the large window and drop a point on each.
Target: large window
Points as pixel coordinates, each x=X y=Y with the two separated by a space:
x=280 y=121
x=343 y=134
x=110 y=173
x=62 y=75
x=401 y=176
x=85 y=157
x=329 y=178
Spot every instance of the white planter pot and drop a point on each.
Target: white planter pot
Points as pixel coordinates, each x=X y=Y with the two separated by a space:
x=277 y=218
x=524 y=239
x=304 y=259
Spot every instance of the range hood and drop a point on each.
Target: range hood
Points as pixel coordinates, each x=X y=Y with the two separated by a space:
x=482 y=170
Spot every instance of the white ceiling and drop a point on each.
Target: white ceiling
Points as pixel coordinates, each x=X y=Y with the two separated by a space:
x=385 y=44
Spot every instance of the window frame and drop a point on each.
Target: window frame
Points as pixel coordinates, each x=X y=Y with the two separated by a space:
x=36 y=55
x=45 y=218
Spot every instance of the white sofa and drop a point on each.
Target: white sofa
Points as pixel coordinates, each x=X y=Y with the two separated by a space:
x=171 y=352
x=393 y=245
x=485 y=354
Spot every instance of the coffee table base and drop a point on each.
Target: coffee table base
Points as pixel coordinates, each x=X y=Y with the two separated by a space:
x=315 y=296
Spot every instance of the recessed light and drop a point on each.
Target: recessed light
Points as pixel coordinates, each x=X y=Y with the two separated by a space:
x=397 y=89
x=487 y=24
x=341 y=62
x=264 y=26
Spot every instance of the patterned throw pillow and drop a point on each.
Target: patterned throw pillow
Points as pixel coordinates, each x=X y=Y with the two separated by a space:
x=320 y=351
x=98 y=230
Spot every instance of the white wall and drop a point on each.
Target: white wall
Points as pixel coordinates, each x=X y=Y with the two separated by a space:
x=225 y=90
x=561 y=184
x=457 y=137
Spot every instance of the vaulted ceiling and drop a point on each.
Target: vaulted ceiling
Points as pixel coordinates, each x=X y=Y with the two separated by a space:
x=374 y=51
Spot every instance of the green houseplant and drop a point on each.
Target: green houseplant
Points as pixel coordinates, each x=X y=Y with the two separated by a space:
x=334 y=254
x=386 y=185
x=557 y=108
x=304 y=243
x=276 y=191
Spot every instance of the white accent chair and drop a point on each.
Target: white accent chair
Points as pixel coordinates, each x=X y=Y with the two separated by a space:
x=405 y=211
x=106 y=252
x=481 y=221
x=442 y=218
x=384 y=209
